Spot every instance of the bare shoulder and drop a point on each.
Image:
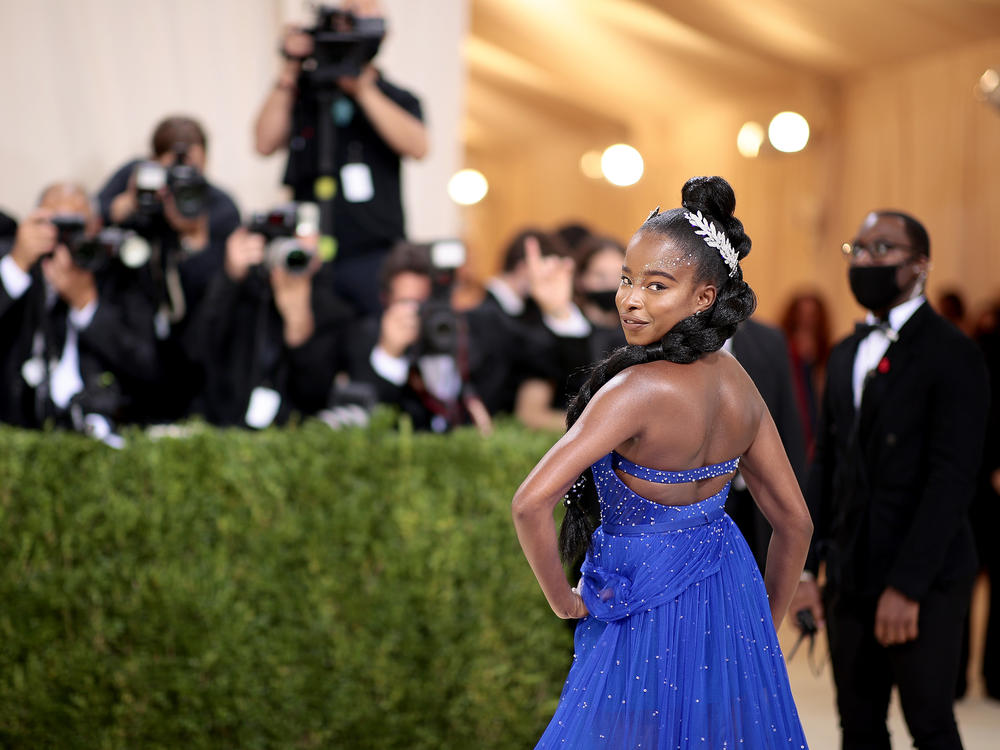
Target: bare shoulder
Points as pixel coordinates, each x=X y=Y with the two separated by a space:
x=659 y=378
x=635 y=385
x=717 y=375
x=737 y=386
x=654 y=386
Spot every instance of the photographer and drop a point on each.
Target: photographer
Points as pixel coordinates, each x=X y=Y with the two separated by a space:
x=199 y=240
x=443 y=367
x=266 y=332
x=374 y=124
x=76 y=334
x=187 y=220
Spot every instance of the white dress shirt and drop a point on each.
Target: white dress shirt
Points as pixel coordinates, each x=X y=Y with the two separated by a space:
x=873 y=347
x=65 y=380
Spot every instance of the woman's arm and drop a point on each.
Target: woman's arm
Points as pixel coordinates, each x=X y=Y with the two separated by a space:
x=612 y=417
x=774 y=488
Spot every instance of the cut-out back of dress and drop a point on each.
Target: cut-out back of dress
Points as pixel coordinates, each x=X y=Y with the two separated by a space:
x=660 y=476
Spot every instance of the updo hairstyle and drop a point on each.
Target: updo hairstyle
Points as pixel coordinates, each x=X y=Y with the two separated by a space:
x=689 y=339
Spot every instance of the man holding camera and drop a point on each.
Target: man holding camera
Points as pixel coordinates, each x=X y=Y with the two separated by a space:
x=76 y=332
x=267 y=331
x=444 y=367
x=168 y=199
x=187 y=219
x=374 y=125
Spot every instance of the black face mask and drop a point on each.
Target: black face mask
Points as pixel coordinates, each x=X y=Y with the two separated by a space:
x=604 y=299
x=875 y=287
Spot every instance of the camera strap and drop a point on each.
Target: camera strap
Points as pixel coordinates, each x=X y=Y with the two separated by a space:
x=41 y=353
x=264 y=400
x=176 y=304
x=453 y=411
x=265 y=356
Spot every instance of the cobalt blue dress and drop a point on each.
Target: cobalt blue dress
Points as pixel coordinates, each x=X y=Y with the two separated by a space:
x=679 y=650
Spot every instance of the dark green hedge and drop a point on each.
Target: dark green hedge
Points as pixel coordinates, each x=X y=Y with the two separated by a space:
x=299 y=588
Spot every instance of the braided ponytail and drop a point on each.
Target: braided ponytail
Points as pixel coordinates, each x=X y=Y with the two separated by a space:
x=684 y=343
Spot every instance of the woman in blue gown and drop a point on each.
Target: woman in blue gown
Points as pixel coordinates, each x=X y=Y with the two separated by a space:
x=676 y=647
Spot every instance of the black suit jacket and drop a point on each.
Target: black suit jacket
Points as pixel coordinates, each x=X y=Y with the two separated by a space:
x=891 y=484
x=237 y=336
x=763 y=353
x=117 y=351
x=498 y=351
x=197 y=270
x=8 y=226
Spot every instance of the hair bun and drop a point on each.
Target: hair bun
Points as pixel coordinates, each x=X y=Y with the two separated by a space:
x=710 y=195
x=714 y=197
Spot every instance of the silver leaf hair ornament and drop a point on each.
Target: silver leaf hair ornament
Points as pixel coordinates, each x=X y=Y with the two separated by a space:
x=714 y=238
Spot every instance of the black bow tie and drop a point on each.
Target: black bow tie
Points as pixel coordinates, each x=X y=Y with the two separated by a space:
x=863 y=329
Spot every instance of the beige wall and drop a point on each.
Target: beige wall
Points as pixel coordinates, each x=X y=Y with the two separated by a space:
x=84 y=83
x=910 y=137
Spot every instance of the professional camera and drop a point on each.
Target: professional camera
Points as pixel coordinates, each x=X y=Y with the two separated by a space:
x=283 y=227
x=93 y=253
x=342 y=44
x=439 y=324
x=184 y=181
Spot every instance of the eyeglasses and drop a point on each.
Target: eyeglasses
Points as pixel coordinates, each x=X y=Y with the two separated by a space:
x=879 y=250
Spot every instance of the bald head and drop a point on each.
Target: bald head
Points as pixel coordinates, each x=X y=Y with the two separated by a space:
x=362 y=8
x=70 y=198
x=68 y=194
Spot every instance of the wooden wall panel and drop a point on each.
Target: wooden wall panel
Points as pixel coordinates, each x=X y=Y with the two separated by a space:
x=910 y=136
x=916 y=139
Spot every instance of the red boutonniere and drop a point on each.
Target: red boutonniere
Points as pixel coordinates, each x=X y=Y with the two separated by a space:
x=883 y=365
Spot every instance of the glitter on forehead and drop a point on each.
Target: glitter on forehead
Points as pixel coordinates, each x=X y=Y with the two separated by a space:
x=670 y=257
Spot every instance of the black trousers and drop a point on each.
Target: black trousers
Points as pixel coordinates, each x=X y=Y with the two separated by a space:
x=924 y=670
x=741 y=507
x=985 y=521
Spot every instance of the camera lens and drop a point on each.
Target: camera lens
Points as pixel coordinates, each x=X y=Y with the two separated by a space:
x=297 y=260
x=290 y=254
x=439 y=328
x=89 y=254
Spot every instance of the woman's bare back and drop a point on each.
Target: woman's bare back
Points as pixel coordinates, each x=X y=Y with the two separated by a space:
x=694 y=415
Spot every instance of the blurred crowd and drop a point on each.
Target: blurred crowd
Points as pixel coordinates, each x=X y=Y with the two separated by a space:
x=154 y=300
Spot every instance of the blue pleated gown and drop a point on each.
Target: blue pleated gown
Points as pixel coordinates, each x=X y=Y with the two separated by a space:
x=679 y=650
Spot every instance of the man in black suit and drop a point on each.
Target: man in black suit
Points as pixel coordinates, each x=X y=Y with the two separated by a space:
x=267 y=332
x=897 y=451
x=529 y=254
x=763 y=353
x=192 y=228
x=168 y=199
x=76 y=337
x=442 y=367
